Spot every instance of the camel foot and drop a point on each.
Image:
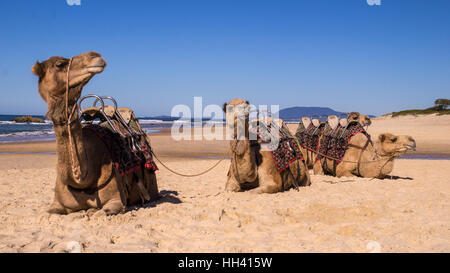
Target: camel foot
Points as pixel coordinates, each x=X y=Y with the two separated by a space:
x=111 y=208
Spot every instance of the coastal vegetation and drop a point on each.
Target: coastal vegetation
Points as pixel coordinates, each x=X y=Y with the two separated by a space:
x=440 y=107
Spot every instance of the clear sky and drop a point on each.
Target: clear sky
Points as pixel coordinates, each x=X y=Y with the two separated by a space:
x=342 y=54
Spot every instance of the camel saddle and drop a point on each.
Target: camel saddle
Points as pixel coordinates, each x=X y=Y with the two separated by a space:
x=284 y=148
x=329 y=139
x=121 y=132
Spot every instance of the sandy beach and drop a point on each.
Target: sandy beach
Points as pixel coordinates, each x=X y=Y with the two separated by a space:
x=407 y=213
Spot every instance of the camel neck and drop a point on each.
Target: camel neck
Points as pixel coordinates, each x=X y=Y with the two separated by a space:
x=375 y=164
x=243 y=161
x=65 y=159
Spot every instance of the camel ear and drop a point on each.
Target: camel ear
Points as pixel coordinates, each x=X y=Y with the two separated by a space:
x=382 y=137
x=37 y=70
x=224 y=107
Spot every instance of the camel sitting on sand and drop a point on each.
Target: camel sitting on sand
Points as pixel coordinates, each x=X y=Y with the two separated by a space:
x=86 y=175
x=251 y=167
x=364 y=158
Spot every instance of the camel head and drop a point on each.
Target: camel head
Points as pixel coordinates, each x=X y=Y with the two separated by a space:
x=237 y=117
x=364 y=120
x=389 y=144
x=52 y=75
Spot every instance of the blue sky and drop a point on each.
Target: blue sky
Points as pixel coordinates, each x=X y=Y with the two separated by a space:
x=342 y=54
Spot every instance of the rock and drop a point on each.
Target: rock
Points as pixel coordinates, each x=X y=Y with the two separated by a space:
x=28 y=119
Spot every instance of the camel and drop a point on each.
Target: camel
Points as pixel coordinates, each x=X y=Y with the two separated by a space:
x=365 y=159
x=86 y=177
x=253 y=168
x=364 y=120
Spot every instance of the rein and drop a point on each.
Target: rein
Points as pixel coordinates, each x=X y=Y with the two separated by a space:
x=76 y=168
x=188 y=175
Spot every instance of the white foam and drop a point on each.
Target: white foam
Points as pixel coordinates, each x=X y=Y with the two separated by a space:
x=46 y=122
x=154 y=121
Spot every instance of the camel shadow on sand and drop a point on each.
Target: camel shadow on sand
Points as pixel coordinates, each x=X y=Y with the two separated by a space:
x=388 y=177
x=394 y=177
x=164 y=197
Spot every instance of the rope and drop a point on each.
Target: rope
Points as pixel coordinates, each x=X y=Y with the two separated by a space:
x=76 y=169
x=188 y=175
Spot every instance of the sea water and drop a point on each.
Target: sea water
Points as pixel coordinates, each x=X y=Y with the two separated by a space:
x=11 y=131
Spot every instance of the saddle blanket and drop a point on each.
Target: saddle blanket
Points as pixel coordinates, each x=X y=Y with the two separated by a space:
x=287 y=152
x=123 y=156
x=335 y=147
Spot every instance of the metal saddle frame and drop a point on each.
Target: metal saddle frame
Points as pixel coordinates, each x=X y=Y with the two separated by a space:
x=88 y=115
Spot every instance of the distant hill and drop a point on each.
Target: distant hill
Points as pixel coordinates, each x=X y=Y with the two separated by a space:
x=295 y=113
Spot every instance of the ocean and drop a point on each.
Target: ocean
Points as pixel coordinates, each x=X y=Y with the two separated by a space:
x=11 y=131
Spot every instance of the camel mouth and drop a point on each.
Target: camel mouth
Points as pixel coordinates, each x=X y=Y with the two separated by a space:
x=95 y=69
x=97 y=65
x=410 y=147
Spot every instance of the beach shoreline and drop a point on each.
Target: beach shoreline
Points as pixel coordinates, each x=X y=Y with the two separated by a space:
x=406 y=212
x=430 y=132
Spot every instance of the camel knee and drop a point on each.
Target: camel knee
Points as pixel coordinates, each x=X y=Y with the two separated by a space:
x=57 y=208
x=318 y=170
x=271 y=188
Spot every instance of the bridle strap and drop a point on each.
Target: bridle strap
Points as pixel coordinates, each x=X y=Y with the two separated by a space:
x=76 y=169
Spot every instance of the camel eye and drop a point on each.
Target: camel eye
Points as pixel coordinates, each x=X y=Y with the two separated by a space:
x=394 y=139
x=60 y=64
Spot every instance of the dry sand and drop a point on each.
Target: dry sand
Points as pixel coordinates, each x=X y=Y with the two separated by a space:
x=408 y=213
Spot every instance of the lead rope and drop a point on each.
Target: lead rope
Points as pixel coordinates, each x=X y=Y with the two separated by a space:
x=76 y=169
x=188 y=175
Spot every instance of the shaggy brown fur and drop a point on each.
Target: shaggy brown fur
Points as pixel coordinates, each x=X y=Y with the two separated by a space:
x=100 y=187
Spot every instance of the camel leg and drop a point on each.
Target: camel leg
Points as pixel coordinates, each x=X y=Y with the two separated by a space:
x=318 y=170
x=232 y=184
x=57 y=208
x=112 y=207
x=306 y=179
x=345 y=169
x=65 y=201
x=151 y=184
x=267 y=183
